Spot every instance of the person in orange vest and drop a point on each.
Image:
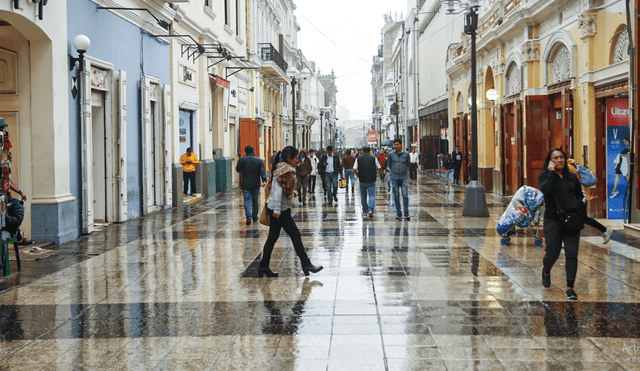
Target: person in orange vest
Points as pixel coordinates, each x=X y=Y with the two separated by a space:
x=188 y=162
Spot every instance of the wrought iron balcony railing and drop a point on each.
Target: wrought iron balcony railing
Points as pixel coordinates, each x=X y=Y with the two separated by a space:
x=269 y=53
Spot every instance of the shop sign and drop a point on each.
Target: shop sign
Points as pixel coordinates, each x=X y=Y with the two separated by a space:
x=372 y=136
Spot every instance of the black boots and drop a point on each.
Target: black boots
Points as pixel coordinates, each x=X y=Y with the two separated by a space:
x=266 y=272
x=311 y=268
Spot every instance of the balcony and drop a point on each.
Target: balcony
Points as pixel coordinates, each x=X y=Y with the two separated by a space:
x=272 y=63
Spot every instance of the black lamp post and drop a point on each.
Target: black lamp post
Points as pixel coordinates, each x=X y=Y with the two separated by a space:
x=295 y=80
x=475 y=203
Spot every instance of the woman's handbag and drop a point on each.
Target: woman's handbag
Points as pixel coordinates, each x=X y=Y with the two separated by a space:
x=264 y=218
x=569 y=220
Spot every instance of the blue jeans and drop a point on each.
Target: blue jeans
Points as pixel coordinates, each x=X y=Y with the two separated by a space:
x=447 y=174
x=331 y=181
x=251 y=203
x=405 y=195
x=349 y=176
x=370 y=204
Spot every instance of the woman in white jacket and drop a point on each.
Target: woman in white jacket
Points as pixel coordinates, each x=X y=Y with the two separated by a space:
x=281 y=187
x=314 y=170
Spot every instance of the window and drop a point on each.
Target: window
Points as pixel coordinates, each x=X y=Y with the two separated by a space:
x=226 y=12
x=237 y=19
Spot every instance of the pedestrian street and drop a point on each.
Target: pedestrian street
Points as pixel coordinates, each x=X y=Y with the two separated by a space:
x=179 y=290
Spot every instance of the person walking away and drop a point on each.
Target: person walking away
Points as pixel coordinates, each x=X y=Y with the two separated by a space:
x=281 y=187
x=347 y=166
x=560 y=187
x=366 y=168
x=606 y=232
x=314 y=171
x=398 y=164
x=382 y=160
x=329 y=167
x=449 y=166
x=252 y=170
x=188 y=162
x=413 y=164
x=622 y=167
x=303 y=169
x=272 y=160
x=457 y=158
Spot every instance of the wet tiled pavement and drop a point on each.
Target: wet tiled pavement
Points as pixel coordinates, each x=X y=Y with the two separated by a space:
x=178 y=289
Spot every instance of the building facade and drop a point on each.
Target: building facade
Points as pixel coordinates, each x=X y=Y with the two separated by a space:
x=560 y=69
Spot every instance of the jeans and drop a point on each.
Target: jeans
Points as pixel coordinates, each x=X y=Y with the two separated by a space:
x=405 y=195
x=312 y=183
x=331 y=181
x=370 y=204
x=189 y=177
x=349 y=176
x=286 y=222
x=448 y=174
x=251 y=203
x=413 y=170
x=301 y=187
x=555 y=234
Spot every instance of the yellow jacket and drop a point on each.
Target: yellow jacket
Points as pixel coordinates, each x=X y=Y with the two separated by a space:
x=189 y=167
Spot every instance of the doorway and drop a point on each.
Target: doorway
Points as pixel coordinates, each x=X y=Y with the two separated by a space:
x=99 y=158
x=185 y=131
x=512 y=147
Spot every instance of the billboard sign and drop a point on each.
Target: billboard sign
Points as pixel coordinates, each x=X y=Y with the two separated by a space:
x=372 y=136
x=617 y=155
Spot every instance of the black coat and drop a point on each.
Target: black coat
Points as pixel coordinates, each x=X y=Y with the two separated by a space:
x=15 y=215
x=449 y=163
x=337 y=167
x=252 y=169
x=567 y=189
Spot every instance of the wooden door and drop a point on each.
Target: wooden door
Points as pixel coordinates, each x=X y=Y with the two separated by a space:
x=536 y=137
x=510 y=173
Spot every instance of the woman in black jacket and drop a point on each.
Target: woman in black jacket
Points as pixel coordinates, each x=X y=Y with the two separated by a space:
x=561 y=186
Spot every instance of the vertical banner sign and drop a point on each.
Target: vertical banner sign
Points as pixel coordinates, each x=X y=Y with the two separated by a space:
x=617 y=155
x=372 y=137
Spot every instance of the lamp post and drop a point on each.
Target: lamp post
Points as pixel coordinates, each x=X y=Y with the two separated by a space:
x=475 y=203
x=295 y=77
x=82 y=44
x=492 y=95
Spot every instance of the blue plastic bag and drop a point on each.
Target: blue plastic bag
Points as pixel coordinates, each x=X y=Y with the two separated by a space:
x=587 y=178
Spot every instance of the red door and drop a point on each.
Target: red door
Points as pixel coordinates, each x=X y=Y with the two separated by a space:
x=536 y=139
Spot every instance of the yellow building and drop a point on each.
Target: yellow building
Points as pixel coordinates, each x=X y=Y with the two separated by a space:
x=556 y=67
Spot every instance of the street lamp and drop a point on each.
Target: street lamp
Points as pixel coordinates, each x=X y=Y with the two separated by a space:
x=475 y=203
x=82 y=44
x=295 y=77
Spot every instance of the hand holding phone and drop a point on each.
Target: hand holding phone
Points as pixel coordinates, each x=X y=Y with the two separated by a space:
x=551 y=166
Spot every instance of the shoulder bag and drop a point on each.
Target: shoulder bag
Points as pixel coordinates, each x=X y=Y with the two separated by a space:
x=570 y=220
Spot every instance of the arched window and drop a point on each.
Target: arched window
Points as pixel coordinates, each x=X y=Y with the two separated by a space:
x=514 y=81
x=560 y=65
x=460 y=103
x=621 y=49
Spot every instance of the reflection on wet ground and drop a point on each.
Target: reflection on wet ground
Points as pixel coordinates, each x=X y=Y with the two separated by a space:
x=179 y=289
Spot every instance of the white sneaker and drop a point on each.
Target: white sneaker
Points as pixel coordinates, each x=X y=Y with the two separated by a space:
x=607 y=235
x=370 y=214
x=613 y=194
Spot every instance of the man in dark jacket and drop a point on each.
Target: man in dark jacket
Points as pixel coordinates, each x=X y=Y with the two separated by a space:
x=252 y=171
x=457 y=161
x=366 y=169
x=329 y=167
x=13 y=218
x=449 y=166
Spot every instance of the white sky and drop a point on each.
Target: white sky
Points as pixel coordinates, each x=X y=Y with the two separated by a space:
x=344 y=35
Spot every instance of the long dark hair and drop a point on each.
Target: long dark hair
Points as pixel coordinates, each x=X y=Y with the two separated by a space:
x=548 y=158
x=282 y=156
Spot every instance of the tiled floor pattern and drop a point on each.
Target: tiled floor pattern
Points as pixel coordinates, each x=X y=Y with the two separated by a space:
x=178 y=290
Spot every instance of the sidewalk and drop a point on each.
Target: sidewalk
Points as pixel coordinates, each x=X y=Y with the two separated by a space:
x=178 y=289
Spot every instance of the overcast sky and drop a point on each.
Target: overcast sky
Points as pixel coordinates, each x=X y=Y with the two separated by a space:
x=343 y=35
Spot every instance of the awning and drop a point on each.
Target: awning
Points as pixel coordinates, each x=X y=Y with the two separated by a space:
x=219 y=81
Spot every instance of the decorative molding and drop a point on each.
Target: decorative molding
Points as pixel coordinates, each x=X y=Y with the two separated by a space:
x=228 y=29
x=208 y=11
x=497 y=66
x=587 y=23
x=8 y=72
x=530 y=51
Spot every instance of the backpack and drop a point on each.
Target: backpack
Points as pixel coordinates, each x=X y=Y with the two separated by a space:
x=587 y=178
